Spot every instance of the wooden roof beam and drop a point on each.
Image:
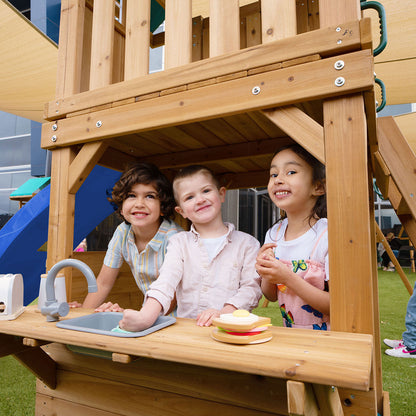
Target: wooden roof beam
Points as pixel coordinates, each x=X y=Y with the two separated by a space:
x=324 y=42
x=310 y=81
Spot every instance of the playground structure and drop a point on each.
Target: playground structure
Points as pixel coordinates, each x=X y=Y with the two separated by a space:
x=237 y=84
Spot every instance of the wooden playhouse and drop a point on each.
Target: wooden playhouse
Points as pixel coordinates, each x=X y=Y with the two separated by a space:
x=240 y=80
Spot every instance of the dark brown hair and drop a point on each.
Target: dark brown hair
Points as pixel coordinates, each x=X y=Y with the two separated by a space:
x=318 y=177
x=148 y=174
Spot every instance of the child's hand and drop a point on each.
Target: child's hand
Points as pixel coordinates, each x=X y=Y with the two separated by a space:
x=206 y=317
x=74 y=304
x=273 y=270
x=266 y=251
x=134 y=321
x=109 y=307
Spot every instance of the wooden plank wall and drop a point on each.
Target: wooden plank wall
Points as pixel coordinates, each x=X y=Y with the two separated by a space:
x=125 y=291
x=93 y=386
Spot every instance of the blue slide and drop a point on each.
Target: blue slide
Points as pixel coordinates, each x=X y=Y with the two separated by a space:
x=23 y=235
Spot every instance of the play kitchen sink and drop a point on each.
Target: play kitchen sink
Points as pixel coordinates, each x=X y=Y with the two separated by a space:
x=104 y=322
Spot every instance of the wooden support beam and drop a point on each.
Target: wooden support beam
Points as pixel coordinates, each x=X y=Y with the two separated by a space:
x=323 y=42
x=381 y=174
x=350 y=232
x=280 y=87
x=409 y=224
x=61 y=213
x=218 y=154
x=328 y=399
x=382 y=239
x=399 y=158
x=300 y=127
x=396 y=199
x=348 y=245
x=301 y=400
x=137 y=39
x=34 y=358
x=40 y=364
x=83 y=164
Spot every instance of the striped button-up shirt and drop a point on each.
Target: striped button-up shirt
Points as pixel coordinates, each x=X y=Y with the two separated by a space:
x=145 y=266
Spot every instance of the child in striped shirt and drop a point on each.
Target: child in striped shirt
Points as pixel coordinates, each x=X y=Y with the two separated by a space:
x=145 y=201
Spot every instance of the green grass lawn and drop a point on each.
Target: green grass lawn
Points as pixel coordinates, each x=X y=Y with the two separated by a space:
x=17 y=389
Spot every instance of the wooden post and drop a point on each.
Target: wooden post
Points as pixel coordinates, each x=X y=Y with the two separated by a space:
x=178 y=33
x=350 y=231
x=278 y=19
x=62 y=204
x=137 y=39
x=224 y=31
x=102 y=44
x=71 y=34
x=61 y=213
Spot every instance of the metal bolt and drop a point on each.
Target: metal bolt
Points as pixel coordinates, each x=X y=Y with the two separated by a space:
x=339 y=65
x=339 y=41
x=340 y=81
x=55 y=127
x=256 y=90
x=99 y=123
x=54 y=138
x=338 y=29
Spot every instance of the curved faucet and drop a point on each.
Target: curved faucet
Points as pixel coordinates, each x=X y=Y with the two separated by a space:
x=52 y=309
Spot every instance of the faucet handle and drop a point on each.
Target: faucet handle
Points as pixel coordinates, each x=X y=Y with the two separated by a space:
x=53 y=310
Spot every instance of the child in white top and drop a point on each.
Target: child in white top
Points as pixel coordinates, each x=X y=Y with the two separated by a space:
x=293 y=262
x=211 y=267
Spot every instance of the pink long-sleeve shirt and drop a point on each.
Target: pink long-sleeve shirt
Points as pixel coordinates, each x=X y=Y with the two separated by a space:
x=200 y=283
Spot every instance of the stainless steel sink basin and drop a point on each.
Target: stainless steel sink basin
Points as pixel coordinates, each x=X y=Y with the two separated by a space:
x=103 y=322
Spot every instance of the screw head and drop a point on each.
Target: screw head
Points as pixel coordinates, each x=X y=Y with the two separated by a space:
x=338 y=29
x=54 y=138
x=339 y=65
x=99 y=123
x=340 y=81
x=256 y=90
x=55 y=127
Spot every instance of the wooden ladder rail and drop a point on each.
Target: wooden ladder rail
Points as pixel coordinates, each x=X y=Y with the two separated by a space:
x=381 y=238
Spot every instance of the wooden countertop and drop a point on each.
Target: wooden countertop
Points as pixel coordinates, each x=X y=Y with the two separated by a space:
x=323 y=357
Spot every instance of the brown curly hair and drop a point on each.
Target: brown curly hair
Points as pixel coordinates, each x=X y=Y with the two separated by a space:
x=144 y=173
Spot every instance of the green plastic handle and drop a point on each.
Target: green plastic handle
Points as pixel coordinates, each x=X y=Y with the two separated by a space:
x=383 y=94
x=382 y=19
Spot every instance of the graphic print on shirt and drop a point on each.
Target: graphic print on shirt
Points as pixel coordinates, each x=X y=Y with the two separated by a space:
x=301 y=266
x=287 y=316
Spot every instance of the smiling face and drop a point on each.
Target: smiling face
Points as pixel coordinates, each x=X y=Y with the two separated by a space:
x=199 y=198
x=291 y=185
x=141 y=208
